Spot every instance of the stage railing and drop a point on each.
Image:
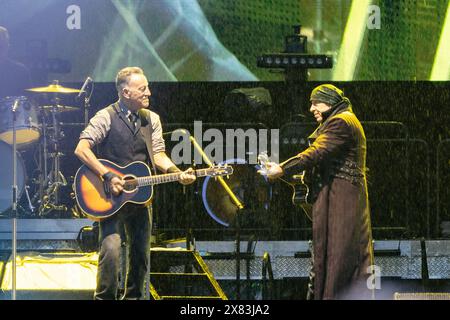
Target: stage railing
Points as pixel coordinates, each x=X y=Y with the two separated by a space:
x=267 y=277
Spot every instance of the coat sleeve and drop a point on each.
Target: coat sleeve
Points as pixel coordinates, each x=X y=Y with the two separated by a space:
x=334 y=137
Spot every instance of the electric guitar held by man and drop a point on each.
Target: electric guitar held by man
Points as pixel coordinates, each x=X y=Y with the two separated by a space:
x=97 y=204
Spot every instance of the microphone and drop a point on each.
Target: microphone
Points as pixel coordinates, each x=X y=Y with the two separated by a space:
x=15 y=105
x=83 y=88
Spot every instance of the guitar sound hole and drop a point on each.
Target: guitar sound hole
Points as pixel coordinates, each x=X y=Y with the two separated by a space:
x=130 y=183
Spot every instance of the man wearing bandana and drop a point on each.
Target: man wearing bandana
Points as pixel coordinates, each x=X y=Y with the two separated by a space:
x=342 y=238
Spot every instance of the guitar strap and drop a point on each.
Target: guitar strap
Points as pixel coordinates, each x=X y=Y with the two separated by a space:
x=147 y=131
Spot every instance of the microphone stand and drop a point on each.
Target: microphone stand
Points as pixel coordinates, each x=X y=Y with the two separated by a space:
x=87 y=105
x=86 y=102
x=240 y=208
x=14 y=205
x=190 y=239
x=234 y=198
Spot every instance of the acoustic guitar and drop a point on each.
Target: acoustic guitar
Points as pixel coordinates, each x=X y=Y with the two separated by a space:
x=138 y=188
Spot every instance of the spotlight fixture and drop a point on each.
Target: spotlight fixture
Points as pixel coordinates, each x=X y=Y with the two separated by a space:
x=294 y=60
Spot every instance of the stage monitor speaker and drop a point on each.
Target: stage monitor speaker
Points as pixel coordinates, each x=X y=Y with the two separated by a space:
x=175 y=274
x=181 y=274
x=422 y=296
x=50 y=276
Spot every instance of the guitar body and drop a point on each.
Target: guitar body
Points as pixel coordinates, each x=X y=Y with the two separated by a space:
x=306 y=190
x=91 y=196
x=300 y=194
x=300 y=197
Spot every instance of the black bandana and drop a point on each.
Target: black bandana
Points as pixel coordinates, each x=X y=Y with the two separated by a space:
x=331 y=95
x=328 y=94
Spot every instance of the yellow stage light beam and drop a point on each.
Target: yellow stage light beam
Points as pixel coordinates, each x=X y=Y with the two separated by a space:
x=351 y=41
x=441 y=65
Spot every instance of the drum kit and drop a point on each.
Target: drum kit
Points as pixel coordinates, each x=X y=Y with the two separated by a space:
x=37 y=127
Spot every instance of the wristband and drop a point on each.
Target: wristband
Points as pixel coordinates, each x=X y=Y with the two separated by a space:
x=108 y=176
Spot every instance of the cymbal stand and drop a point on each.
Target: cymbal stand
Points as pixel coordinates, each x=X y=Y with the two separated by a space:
x=42 y=180
x=55 y=179
x=44 y=158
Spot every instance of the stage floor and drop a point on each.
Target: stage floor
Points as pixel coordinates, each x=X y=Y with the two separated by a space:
x=51 y=264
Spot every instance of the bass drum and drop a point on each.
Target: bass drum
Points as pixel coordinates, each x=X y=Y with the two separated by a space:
x=6 y=174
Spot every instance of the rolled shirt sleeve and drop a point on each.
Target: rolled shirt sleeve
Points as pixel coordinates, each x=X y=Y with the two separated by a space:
x=98 y=128
x=158 y=143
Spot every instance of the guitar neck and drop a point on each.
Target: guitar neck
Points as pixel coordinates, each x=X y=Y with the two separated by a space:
x=168 y=177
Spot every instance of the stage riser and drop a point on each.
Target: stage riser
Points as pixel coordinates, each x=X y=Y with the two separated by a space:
x=402 y=259
x=225 y=269
x=395 y=258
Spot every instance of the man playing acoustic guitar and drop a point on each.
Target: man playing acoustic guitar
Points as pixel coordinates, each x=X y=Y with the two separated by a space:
x=126 y=132
x=342 y=238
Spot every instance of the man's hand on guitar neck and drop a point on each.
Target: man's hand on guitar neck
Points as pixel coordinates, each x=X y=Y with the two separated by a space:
x=188 y=177
x=272 y=170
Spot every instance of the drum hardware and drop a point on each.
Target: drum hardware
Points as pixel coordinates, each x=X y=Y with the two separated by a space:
x=55 y=178
x=47 y=204
x=30 y=204
x=20 y=122
x=51 y=179
x=29 y=129
x=6 y=174
x=26 y=122
x=37 y=196
x=59 y=108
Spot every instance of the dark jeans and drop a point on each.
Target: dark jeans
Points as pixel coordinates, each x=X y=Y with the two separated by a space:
x=136 y=221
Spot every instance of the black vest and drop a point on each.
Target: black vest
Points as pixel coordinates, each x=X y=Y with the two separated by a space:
x=123 y=144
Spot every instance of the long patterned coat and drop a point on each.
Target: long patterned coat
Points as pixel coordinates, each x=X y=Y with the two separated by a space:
x=342 y=238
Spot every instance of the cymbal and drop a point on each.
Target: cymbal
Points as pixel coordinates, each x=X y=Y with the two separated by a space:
x=59 y=108
x=53 y=88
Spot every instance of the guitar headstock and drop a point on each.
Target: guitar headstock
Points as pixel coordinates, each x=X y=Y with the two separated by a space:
x=220 y=170
x=263 y=158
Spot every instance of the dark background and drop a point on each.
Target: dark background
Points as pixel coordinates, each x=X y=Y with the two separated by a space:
x=406 y=125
